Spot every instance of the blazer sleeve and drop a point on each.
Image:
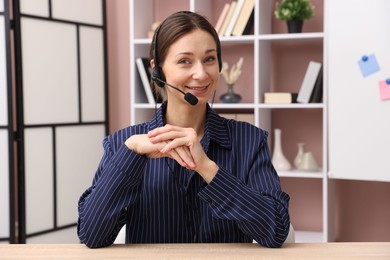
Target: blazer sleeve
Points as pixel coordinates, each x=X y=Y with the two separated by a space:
x=251 y=194
x=102 y=207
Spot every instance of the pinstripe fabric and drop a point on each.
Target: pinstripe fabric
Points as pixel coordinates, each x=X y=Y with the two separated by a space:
x=161 y=202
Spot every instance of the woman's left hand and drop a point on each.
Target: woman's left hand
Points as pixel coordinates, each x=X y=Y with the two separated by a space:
x=186 y=143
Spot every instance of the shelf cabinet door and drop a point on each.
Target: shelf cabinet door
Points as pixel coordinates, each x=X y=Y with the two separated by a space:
x=359 y=140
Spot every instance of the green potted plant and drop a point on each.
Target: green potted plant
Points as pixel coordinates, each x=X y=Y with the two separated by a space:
x=294 y=12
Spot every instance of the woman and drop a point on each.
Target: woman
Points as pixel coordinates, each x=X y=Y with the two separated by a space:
x=188 y=175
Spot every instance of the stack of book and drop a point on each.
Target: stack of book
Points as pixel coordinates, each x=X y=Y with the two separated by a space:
x=310 y=91
x=236 y=18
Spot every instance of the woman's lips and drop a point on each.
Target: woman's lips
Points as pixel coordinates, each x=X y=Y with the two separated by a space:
x=197 y=89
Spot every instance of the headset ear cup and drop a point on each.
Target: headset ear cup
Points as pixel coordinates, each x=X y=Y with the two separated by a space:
x=157 y=74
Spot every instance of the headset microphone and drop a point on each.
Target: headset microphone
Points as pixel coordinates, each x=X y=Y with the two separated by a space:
x=191 y=99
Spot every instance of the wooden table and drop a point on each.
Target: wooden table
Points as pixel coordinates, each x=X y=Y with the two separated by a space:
x=198 y=251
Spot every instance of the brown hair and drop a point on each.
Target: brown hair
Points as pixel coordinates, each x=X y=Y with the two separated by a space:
x=171 y=29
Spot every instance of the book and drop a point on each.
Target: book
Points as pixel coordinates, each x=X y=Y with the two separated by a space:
x=234 y=17
x=280 y=97
x=316 y=95
x=227 y=18
x=249 y=26
x=308 y=82
x=144 y=71
x=222 y=17
x=246 y=16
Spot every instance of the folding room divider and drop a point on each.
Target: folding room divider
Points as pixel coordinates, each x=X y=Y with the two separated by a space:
x=60 y=112
x=7 y=194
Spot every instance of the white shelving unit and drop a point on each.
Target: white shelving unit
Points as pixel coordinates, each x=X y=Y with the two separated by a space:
x=142 y=14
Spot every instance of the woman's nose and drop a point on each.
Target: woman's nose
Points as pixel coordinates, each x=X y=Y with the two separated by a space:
x=199 y=71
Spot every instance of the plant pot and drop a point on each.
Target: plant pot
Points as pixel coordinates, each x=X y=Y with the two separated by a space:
x=294 y=26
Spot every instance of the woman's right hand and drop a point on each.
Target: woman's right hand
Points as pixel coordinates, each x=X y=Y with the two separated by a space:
x=141 y=145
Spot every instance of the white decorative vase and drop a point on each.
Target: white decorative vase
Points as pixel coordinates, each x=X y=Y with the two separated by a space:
x=278 y=159
x=298 y=157
x=308 y=163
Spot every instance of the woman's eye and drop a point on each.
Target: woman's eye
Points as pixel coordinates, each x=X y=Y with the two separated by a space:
x=210 y=59
x=184 y=62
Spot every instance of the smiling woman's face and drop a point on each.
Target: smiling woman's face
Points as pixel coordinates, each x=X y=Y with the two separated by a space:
x=191 y=65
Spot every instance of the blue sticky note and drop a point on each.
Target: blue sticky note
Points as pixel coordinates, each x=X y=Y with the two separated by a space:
x=368 y=65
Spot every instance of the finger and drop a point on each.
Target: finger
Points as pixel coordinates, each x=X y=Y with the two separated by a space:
x=168 y=136
x=184 y=156
x=161 y=130
x=166 y=133
x=175 y=143
x=175 y=155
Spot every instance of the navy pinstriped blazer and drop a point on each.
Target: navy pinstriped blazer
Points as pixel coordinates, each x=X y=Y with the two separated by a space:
x=162 y=202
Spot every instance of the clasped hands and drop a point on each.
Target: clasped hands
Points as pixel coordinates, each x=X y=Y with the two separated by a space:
x=179 y=143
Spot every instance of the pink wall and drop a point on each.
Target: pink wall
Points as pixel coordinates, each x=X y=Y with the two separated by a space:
x=118 y=34
x=362 y=209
